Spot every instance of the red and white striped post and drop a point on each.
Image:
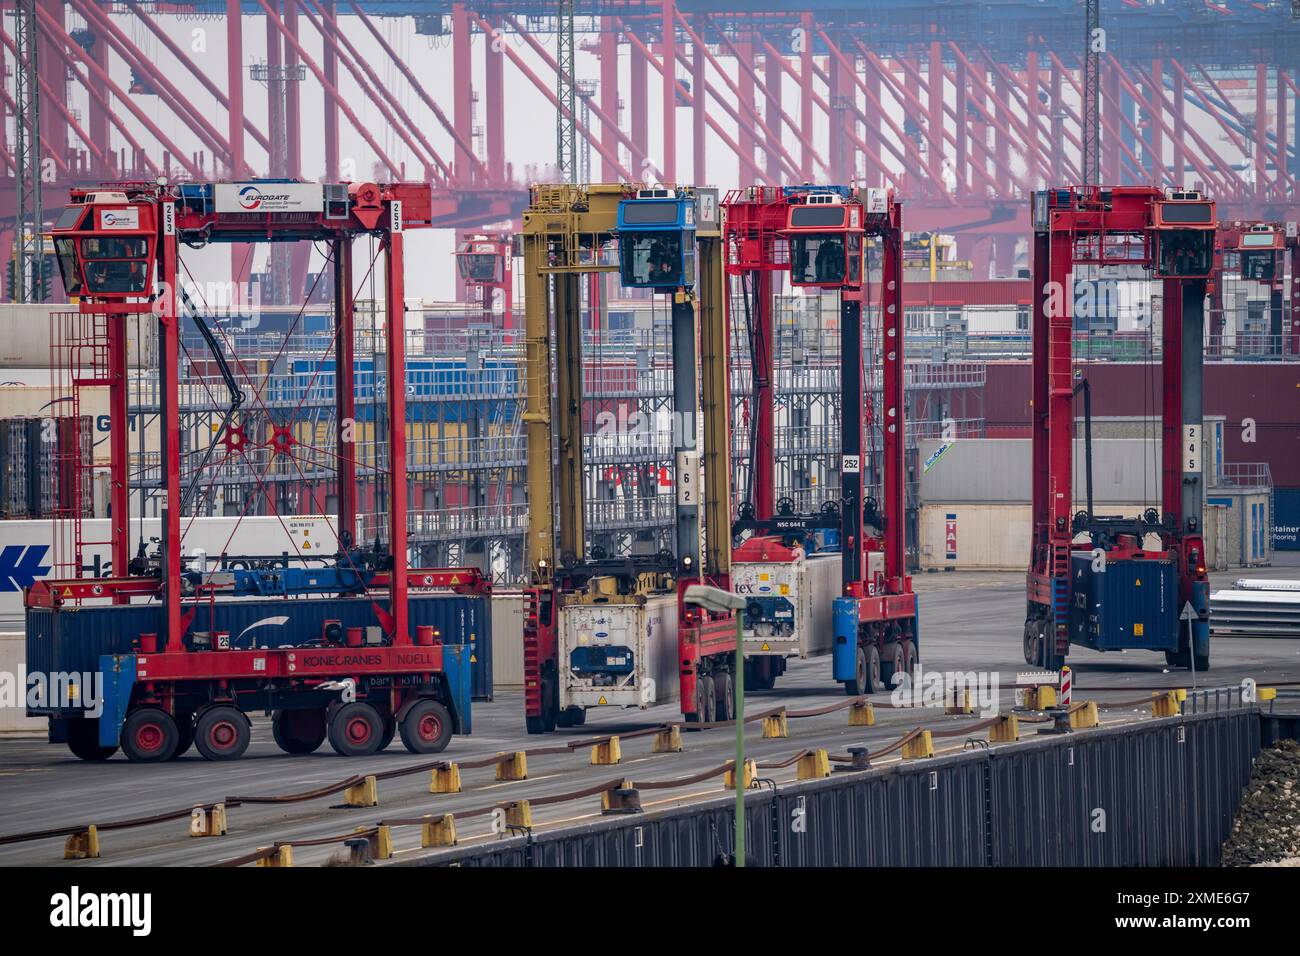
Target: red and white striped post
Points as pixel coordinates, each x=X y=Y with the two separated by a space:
x=1066 y=685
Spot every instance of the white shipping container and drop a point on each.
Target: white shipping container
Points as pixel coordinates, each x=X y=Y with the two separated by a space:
x=26 y=547
x=984 y=537
x=647 y=632
x=507 y=639
x=809 y=585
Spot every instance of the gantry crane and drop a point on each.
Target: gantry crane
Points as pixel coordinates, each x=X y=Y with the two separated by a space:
x=601 y=630
x=354 y=656
x=485 y=263
x=1258 y=250
x=818 y=235
x=1092 y=581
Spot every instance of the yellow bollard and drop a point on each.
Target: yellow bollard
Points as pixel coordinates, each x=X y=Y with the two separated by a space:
x=922 y=745
x=445 y=779
x=282 y=857
x=1165 y=705
x=362 y=794
x=962 y=706
x=669 y=740
x=82 y=845
x=607 y=753
x=862 y=714
x=776 y=726
x=519 y=814
x=1005 y=731
x=208 y=823
x=813 y=765
x=513 y=767
x=439 y=831
x=1085 y=717
x=751 y=773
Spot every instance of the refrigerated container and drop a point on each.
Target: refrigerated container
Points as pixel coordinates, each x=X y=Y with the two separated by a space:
x=621 y=652
x=788 y=611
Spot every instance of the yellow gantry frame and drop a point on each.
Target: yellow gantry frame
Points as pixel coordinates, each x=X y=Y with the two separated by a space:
x=565 y=229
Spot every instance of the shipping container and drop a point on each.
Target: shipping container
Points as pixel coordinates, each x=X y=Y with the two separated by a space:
x=507 y=639
x=983 y=537
x=799 y=595
x=13 y=468
x=1124 y=604
x=252 y=622
x=620 y=654
x=261 y=535
x=1286 y=519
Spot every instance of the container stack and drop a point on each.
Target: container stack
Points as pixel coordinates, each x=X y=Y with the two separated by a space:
x=45 y=467
x=13 y=468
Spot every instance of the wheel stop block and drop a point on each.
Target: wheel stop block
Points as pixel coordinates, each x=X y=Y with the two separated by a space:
x=1165 y=705
x=956 y=705
x=82 y=845
x=862 y=713
x=922 y=745
x=373 y=843
x=668 y=740
x=439 y=831
x=513 y=766
x=607 y=753
x=751 y=773
x=776 y=726
x=363 y=793
x=1006 y=730
x=445 y=779
x=813 y=765
x=208 y=821
x=519 y=814
x=624 y=798
x=1039 y=698
x=1082 y=718
x=281 y=856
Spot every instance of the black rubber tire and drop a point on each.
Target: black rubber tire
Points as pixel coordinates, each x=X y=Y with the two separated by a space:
x=390 y=731
x=149 y=735
x=856 y=687
x=710 y=702
x=184 y=724
x=356 y=730
x=535 y=725
x=724 y=700
x=761 y=674
x=426 y=728
x=1202 y=664
x=891 y=662
x=1032 y=645
x=909 y=656
x=548 y=719
x=299 y=732
x=222 y=733
x=571 y=717
x=83 y=740
x=698 y=716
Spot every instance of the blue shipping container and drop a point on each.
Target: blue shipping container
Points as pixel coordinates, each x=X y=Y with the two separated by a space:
x=73 y=638
x=1131 y=604
x=1286 y=519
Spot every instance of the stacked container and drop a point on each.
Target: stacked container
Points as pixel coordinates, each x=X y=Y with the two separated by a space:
x=13 y=468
